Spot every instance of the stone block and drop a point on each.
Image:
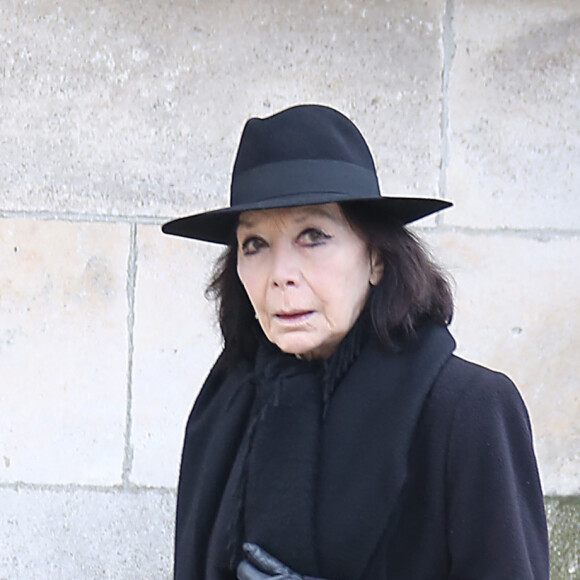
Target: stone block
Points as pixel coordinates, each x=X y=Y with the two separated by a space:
x=63 y=351
x=514 y=115
x=564 y=527
x=175 y=345
x=110 y=110
x=517 y=304
x=71 y=534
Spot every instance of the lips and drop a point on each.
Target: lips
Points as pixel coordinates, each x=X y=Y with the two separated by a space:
x=293 y=316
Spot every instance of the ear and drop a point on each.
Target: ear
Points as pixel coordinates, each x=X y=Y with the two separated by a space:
x=377 y=268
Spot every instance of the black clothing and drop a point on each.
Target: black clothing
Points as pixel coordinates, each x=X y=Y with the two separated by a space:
x=407 y=465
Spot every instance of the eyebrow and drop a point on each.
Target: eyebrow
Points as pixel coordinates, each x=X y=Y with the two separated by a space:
x=246 y=222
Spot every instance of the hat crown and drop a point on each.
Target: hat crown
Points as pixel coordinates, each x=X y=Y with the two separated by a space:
x=303 y=132
x=304 y=155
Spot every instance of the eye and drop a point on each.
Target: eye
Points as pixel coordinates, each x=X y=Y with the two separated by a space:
x=313 y=237
x=252 y=245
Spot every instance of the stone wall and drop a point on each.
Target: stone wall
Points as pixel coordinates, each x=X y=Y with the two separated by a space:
x=117 y=115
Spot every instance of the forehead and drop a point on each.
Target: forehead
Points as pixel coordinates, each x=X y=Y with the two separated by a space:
x=327 y=211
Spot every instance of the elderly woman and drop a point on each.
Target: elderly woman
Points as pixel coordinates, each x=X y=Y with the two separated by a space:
x=337 y=436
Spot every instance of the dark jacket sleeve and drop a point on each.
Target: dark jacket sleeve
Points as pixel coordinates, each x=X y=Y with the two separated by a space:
x=496 y=522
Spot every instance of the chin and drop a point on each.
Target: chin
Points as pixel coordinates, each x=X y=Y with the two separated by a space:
x=308 y=352
x=298 y=349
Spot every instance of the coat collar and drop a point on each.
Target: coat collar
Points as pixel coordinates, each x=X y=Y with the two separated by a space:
x=365 y=440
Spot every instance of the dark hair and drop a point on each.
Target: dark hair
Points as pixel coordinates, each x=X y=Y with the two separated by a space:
x=412 y=290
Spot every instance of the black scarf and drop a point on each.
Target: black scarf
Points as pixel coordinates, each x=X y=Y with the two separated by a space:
x=322 y=458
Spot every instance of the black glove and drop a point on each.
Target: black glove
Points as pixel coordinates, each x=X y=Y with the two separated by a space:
x=259 y=565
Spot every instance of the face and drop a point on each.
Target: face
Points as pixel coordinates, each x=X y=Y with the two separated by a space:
x=307 y=274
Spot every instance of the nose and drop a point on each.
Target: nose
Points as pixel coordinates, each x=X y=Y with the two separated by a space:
x=285 y=267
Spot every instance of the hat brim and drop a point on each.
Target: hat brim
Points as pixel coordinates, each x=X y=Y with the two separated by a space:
x=217 y=226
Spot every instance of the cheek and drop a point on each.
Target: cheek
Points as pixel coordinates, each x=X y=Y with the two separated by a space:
x=343 y=291
x=252 y=283
x=348 y=299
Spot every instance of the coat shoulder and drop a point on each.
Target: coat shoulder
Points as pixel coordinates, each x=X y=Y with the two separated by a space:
x=475 y=394
x=463 y=381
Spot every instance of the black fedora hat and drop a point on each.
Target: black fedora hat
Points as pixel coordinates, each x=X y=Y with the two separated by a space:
x=304 y=155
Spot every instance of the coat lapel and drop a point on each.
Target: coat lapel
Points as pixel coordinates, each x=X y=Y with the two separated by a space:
x=365 y=443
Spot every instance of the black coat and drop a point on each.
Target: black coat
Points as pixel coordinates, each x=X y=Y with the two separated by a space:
x=427 y=472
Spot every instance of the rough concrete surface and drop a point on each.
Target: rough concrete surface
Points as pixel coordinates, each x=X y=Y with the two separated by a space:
x=86 y=534
x=564 y=527
x=513 y=151
x=63 y=351
x=135 y=108
x=175 y=344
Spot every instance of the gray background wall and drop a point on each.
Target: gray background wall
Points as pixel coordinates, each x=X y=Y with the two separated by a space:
x=116 y=115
